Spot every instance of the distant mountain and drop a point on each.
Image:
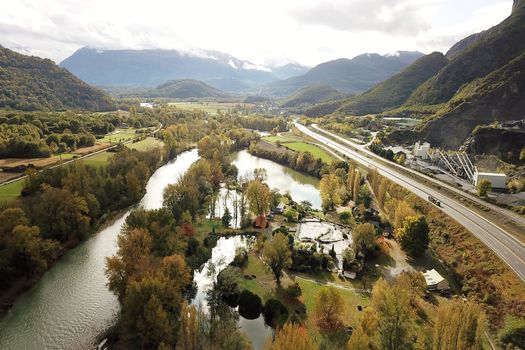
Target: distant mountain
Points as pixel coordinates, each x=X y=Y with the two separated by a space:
x=154 y=67
x=289 y=70
x=392 y=92
x=32 y=83
x=347 y=75
x=311 y=95
x=184 y=89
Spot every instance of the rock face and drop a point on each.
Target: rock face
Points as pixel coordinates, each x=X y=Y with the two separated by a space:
x=517 y=5
x=506 y=144
x=498 y=96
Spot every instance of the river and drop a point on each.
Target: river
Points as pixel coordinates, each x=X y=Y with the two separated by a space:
x=70 y=306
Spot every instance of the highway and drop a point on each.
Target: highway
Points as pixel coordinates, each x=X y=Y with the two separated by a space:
x=518 y=219
x=508 y=248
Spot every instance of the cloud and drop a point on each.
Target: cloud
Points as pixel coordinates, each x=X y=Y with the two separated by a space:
x=398 y=17
x=305 y=31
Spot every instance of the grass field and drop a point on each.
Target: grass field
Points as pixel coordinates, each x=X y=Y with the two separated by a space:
x=98 y=160
x=264 y=286
x=208 y=107
x=292 y=142
x=11 y=191
x=119 y=135
x=146 y=144
x=317 y=151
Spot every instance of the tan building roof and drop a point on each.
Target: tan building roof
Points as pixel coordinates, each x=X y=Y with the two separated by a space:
x=432 y=277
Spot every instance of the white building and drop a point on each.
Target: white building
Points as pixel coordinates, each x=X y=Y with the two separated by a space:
x=497 y=180
x=435 y=281
x=421 y=150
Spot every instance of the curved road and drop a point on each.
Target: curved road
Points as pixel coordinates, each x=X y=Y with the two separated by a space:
x=508 y=248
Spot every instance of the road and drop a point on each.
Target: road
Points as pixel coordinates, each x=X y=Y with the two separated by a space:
x=79 y=158
x=508 y=248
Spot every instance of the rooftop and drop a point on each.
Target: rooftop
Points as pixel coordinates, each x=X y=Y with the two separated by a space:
x=491 y=174
x=432 y=277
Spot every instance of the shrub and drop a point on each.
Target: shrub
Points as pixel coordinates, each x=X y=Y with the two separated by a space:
x=241 y=257
x=275 y=313
x=249 y=305
x=294 y=290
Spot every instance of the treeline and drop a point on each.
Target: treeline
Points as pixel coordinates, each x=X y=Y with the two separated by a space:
x=62 y=206
x=40 y=134
x=183 y=128
x=270 y=124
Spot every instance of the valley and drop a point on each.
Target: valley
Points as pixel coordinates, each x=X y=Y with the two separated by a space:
x=262 y=176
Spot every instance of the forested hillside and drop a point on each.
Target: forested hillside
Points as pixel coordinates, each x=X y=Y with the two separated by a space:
x=31 y=83
x=392 y=92
x=311 y=95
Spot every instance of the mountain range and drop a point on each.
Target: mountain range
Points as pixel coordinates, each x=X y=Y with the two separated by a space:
x=32 y=83
x=149 y=68
x=154 y=67
x=347 y=75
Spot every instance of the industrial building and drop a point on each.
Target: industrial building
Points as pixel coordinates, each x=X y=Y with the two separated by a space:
x=497 y=180
x=421 y=150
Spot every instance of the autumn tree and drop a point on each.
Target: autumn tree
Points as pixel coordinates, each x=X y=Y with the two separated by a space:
x=458 y=326
x=131 y=261
x=259 y=197
x=350 y=180
x=291 y=337
x=277 y=255
x=483 y=187
x=363 y=239
x=329 y=310
x=414 y=283
x=394 y=316
x=381 y=192
x=365 y=334
x=402 y=211
x=413 y=236
x=357 y=186
x=331 y=187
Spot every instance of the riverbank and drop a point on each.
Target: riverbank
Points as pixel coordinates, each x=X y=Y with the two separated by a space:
x=70 y=306
x=24 y=284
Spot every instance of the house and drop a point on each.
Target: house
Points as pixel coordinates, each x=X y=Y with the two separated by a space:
x=435 y=281
x=279 y=209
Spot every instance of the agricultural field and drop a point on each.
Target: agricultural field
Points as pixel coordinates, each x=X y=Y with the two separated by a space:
x=11 y=191
x=147 y=144
x=296 y=144
x=119 y=135
x=208 y=107
x=317 y=151
x=98 y=160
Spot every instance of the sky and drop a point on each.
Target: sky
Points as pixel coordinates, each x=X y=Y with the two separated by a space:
x=265 y=32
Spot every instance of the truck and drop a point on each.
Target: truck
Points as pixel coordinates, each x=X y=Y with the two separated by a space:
x=434 y=200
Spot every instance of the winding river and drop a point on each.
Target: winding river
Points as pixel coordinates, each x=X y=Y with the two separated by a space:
x=71 y=306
